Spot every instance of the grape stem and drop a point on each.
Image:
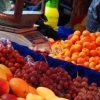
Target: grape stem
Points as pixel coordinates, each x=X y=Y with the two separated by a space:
x=45 y=59
x=77 y=74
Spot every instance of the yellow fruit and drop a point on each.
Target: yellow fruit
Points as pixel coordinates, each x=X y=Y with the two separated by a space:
x=7 y=71
x=49 y=97
x=31 y=96
x=3 y=74
x=59 y=99
x=43 y=92
x=19 y=98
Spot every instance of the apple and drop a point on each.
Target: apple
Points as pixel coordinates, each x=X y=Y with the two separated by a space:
x=4 y=86
x=8 y=97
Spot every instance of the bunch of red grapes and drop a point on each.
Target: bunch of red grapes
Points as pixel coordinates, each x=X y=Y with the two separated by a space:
x=39 y=73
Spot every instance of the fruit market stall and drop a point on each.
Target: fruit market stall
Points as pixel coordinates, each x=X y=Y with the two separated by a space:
x=65 y=79
x=70 y=70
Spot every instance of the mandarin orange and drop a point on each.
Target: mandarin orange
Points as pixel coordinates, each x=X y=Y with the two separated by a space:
x=86 y=45
x=98 y=41
x=77 y=32
x=85 y=33
x=82 y=54
x=86 y=51
x=93 y=53
x=75 y=48
x=92 y=65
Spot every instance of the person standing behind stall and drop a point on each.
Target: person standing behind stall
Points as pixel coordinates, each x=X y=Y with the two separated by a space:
x=93 y=16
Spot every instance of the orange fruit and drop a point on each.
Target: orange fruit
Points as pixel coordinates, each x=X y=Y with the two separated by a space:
x=75 y=53
x=92 y=59
x=97 y=34
x=77 y=32
x=80 y=60
x=85 y=39
x=86 y=51
x=65 y=49
x=85 y=33
x=93 y=53
x=86 y=64
x=19 y=87
x=74 y=38
x=79 y=42
x=92 y=65
x=67 y=46
x=75 y=48
x=98 y=51
x=67 y=53
x=67 y=59
x=82 y=54
x=74 y=57
x=98 y=41
x=97 y=67
x=32 y=90
x=86 y=45
x=86 y=58
x=97 y=58
x=93 y=45
x=93 y=36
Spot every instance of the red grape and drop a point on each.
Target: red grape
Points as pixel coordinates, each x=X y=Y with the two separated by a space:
x=5 y=51
x=1 y=55
x=17 y=65
x=26 y=76
x=6 y=62
x=12 y=60
x=13 y=69
x=2 y=59
x=68 y=96
x=10 y=64
x=32 y=79
x=78 y=98
x=90 y=97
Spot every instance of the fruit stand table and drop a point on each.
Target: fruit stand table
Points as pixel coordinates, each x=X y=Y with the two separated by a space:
x=72 y=69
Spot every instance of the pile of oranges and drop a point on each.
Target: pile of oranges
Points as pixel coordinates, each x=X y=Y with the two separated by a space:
x=79 y=48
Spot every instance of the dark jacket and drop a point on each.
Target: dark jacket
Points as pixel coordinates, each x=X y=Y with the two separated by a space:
x=93 y=16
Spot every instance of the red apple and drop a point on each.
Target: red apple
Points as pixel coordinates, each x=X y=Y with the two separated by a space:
x=4 y=86
x=8 y=97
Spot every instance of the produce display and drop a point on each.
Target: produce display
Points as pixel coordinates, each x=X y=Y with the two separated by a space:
x=26 y=79
x=79 y=48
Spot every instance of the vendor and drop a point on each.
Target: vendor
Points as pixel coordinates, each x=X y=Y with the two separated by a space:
x=93 y=16
x=2 y=5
